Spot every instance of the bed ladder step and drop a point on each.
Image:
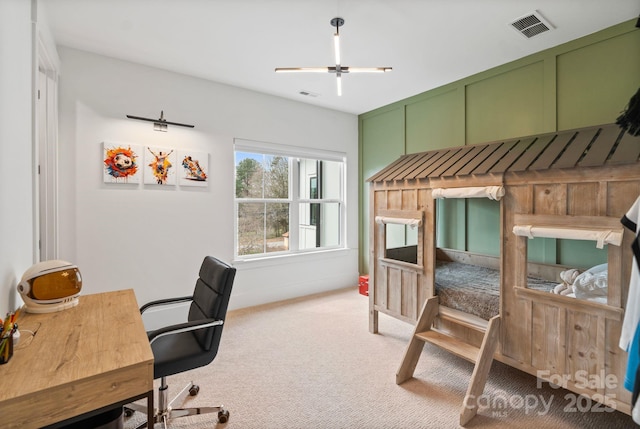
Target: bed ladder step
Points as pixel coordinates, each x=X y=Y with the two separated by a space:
x=481 y=357
x=451 y=344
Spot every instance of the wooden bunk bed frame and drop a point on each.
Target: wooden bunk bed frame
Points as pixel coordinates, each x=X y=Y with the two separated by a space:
x=576 y=179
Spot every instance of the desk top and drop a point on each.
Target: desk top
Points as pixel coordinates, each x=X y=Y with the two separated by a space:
x=80 y=359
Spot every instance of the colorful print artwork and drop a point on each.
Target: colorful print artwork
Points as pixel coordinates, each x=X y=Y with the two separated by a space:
x=160 y=168
x=194 y=168
x=121 y=163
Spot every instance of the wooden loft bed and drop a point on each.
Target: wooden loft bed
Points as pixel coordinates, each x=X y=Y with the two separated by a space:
x=572 y=182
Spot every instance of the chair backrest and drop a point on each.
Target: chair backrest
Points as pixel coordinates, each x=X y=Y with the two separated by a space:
x=211 y=299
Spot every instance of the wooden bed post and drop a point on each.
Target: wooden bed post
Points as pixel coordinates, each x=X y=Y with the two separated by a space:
x=480 y=371
x=414 y=349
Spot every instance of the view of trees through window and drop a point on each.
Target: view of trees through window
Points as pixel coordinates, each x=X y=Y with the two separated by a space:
x=286 y=203
x=262 y=226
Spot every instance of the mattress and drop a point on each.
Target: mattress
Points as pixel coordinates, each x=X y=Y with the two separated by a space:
x=474 y=289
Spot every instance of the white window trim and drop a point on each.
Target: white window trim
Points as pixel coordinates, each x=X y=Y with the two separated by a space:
x=292 y=152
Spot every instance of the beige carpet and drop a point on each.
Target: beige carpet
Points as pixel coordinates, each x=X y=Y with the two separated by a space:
x=311 y=363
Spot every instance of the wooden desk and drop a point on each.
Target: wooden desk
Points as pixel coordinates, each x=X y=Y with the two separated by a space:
x=81 y=361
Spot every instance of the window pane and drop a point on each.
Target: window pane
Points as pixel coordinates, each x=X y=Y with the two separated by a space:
x=331 y=180
x=251 y=221
x=401 y=243
x=320 y=179
x=276 y=176
x=277 y=227
x=308 y=178
x=319 y=225
x=269 y=211
x=249 y=175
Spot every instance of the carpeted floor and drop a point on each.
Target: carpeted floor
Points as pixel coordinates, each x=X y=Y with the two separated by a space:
x=311 y=363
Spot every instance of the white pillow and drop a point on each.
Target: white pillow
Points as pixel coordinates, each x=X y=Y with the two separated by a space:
x=592 y=283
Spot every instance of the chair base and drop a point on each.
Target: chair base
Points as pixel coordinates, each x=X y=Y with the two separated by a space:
x=165 y=412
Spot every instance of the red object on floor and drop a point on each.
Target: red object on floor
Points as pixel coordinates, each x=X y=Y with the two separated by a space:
x=363 y=285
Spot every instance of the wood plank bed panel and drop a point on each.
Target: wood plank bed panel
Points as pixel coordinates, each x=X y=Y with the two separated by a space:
x=446 y=156
x=491 y=160
x=399 y=165
x=473 y=152
x=578 y=193
x=413 y=165
x=532 y=152
x=514 y=154
x=582 y=353
x=576 y=148
x=427 y=165
x=553 y=150
x=545 y=325
x=462 y=153
x=599 y=152
x=627 y=151
x=382 y=173
x=478 y=159
x=550 y=199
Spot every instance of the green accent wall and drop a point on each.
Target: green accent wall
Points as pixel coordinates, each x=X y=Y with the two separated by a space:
x=596 y=81
x=518 y=94
x=585 y=82
x=433 y=122
x=384 y=136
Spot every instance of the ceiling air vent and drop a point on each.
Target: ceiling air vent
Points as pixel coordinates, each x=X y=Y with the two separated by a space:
x=531 y=25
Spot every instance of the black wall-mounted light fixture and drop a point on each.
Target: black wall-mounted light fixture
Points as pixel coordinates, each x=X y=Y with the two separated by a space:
x=161 y=123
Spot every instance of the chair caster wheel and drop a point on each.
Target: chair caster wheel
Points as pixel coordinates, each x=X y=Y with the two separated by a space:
x=193 y=391
x=223 y=416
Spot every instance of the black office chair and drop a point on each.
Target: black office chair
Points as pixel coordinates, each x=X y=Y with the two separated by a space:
x=193 y=344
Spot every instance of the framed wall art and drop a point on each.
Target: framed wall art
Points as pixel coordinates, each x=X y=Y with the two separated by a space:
x=194 y=168
x=121 y=163
x=160 y=166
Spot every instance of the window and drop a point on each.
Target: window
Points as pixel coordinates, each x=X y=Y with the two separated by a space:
x=403 y=235
x=287 y=200
x=569 y=259
x=401 y=243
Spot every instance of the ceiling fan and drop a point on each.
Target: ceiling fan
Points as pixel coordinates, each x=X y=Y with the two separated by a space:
x=338 y=69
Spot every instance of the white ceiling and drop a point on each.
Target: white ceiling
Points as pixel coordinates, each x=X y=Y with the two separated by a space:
x=429 y=43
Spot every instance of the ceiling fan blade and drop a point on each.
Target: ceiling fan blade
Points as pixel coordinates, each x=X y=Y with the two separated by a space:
x=302 y=69
x=366 y=69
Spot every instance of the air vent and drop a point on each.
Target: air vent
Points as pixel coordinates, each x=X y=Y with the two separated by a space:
x=531 y=25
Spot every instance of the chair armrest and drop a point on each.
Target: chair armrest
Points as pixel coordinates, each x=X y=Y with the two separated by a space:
x=166 y=301
x=183 y=327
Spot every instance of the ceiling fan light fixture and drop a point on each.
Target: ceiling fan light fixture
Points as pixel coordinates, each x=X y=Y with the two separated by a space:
x=302 y=69
x=367 y=69
x=338 y=69
x=336 y=46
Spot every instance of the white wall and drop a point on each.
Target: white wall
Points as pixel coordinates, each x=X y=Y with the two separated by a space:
x=152 y=238
x=16 y=149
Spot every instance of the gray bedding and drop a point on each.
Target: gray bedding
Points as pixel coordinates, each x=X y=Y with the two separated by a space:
x=473 y=289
